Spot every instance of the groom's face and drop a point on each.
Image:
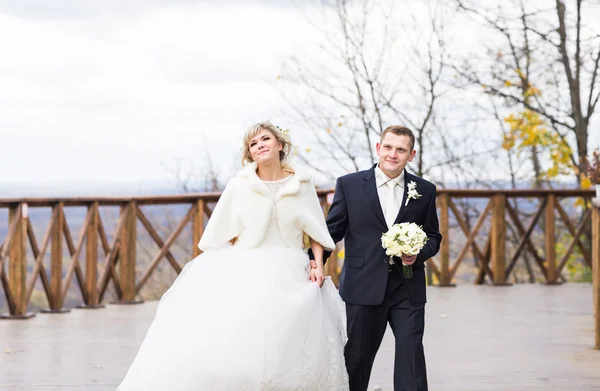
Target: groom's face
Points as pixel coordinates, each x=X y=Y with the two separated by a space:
x=394 y=153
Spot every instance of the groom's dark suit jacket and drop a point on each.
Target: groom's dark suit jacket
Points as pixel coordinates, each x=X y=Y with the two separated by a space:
x=356 y=216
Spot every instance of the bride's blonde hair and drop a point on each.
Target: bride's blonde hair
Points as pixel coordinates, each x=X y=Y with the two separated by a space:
x=281 y=137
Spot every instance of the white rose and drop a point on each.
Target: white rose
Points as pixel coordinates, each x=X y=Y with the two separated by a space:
x=406 y=249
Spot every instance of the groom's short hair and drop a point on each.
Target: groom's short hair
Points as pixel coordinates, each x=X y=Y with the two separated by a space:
x=399 y=130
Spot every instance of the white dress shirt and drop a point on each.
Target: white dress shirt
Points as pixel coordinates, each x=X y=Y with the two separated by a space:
x=381 y=180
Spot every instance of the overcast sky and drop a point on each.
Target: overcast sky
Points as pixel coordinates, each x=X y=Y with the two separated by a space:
x=113 y=90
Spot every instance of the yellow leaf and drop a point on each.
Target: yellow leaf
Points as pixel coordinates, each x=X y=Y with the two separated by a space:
x=328 y=130
x=307 y=150
x=582 y=202
x=508 y=144
x=340 y=124
x=586 y=183
x=507 y=83
x=552 y=172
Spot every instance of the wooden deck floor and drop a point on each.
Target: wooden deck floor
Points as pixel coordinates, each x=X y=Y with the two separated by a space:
x=530 y=337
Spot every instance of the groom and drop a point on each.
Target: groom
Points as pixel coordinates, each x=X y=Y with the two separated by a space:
x=365 y=205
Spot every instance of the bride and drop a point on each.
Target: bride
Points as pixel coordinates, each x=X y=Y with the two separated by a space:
x=249 y=313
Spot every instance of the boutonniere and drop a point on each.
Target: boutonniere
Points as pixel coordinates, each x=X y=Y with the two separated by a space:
x=412 y=192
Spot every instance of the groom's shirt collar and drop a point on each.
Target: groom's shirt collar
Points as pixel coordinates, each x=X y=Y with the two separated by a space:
x=381 y=178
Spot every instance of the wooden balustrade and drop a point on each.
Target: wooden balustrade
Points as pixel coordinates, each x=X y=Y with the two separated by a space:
x=596 y=268
x=101 y=262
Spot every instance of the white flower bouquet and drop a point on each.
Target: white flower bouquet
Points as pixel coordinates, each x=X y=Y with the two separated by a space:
x=404 y=238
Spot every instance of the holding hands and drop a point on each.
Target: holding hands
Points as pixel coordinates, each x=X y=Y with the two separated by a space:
x=316 y=273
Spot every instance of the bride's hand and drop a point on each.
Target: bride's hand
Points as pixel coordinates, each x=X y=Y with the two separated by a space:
x=319 y=276
x=311 y=275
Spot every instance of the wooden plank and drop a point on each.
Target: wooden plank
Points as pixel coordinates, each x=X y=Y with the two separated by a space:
x=91 y=257
x=161 y=253
x=39 y=254
x=56 y=257
x=519 y=339
x=498 y=239
x=110 y=272
x=13 y=225
x=198 y=227
x=214 y=196
x=430 y=263
x=443 y=205
x=550 y=241
x=526 y=236
x=110 y=256
x=10 y=299
x=188 y=198
x=154 y=235
x=6 y=250
x=17 y=265
x=127 y=253
x=574 y=240
x=480 y=278
x=470 y=236
x=596 y=271
x=75 y=251
x=565 y=218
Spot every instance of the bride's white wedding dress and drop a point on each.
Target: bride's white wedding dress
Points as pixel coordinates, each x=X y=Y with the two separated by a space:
x=245 y=319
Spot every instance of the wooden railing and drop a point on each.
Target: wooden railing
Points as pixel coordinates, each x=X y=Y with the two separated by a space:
x=502 y=213
x=596 y=267
x=103 y=260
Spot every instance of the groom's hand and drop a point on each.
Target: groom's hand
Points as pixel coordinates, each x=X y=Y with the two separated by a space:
x=408 y=259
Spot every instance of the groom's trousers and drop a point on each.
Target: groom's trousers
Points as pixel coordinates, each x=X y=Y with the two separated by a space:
x=366 y=327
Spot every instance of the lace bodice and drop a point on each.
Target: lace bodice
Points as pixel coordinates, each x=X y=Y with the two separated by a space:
x=273 y=235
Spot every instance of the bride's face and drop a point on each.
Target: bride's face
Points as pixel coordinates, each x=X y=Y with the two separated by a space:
x=264 y=147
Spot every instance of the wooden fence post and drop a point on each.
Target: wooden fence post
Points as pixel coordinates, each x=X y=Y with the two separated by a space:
x=498 y=239
x=596 y=267
x=198 y=227
x=91 y=260
x=443 y=201
x=56 y=261
x=17 y=264
x=127 y=254
x=550 y=233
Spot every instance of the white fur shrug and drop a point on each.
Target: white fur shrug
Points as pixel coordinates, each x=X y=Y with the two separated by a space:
x=244 y=209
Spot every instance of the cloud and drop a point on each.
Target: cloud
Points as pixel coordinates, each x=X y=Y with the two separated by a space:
x=113 y=98
x=93 y=9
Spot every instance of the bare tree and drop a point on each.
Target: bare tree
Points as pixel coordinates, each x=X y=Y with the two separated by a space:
x=193 y=177
x=541 y=58
x=373 y=69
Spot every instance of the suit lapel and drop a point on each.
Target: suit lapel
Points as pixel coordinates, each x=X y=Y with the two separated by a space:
x=404 y=207
x=370 y=188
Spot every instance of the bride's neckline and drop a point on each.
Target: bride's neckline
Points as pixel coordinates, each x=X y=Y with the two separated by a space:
x=278 y=180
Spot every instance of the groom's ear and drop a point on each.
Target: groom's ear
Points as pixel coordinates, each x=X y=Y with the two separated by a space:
x=412 y=155
x=377 y=147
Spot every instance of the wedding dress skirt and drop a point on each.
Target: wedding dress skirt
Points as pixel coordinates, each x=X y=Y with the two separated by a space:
x=244 y=319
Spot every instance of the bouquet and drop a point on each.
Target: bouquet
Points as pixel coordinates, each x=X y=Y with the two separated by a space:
x=404 y=238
